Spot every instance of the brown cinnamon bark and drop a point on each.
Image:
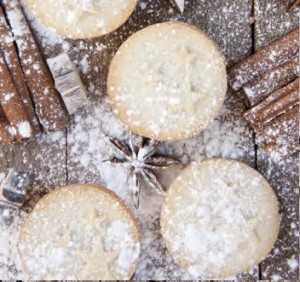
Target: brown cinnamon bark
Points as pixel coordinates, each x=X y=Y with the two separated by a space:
x=277 y=53
x=48 y=105
x=5 y=136
x=293 y=4
x=256 y=91
x=276 y=104
x=280 y=139
x=12 y=60
x=12 y=105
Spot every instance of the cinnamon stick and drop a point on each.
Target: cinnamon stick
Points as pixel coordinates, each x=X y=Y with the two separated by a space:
x=48 y=105
x=5 y=136
x=12 y=105
x=11 y=58
x=256 y=91
x=68 y=82
x=280 y=139
x=274 y=105
x=293 y=4
x=277 y=53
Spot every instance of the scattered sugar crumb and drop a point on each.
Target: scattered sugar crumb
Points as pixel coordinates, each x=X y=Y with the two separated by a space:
x=24 y=129
x=276 y=277
x=293 y=264
x=228 y=136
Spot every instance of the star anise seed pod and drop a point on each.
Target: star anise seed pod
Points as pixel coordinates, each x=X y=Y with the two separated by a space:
x=140 y=157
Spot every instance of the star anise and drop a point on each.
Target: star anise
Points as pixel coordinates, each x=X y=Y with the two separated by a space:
x=180 y=5
x=292 y=4
x=139 y=155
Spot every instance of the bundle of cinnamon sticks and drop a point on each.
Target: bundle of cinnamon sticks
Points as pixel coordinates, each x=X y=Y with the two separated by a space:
x=29 y=102
x=269 y=79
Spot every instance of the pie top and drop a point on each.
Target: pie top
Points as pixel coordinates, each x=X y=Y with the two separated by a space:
x=219 y=218
x=82 y=18
x=80 y=232
x=167 y=81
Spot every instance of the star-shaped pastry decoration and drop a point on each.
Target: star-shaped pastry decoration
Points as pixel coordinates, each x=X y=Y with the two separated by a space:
x=292 y=4
x=140 y=158
x=180 y=5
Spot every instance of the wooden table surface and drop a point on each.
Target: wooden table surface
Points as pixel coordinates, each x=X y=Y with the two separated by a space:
x=240 y=28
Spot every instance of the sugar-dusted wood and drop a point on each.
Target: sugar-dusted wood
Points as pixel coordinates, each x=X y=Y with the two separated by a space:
x=229 y=24
x=45 y=159
x=273 y=21
x=54 y=164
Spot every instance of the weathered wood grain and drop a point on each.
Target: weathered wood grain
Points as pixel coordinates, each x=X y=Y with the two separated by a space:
x=272 y=21
x=44 y=156
x=228 y=136
x=45 y=159
x=76 y=156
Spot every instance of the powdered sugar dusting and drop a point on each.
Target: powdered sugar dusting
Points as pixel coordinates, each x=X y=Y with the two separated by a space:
x=272 y=22
x=59 y=240
x=83 y=19
x=47 y=36
x=171 y=74
x=293 y=263
x=54 y=163
x=24 y=129
x=9 y=232
x=223 y=206
x=88 y=146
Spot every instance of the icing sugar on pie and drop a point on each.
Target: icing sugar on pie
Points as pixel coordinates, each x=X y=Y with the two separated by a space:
x=168 y=81
x=80 y=232
x=219 y=218
x=82 y=18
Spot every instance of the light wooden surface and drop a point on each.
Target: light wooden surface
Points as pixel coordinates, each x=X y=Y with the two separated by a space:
x=54 y=163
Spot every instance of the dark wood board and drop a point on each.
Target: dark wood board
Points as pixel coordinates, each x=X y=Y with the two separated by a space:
x=271 y=22
x=44 y=157
x=234 y=35
x=62 y=157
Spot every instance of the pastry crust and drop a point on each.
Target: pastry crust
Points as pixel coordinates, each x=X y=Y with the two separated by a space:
x=80 y=232
x=77 y=19
x=219 y=218
x=167 y=81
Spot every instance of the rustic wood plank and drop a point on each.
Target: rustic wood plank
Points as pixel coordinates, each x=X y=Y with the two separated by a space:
x=272 y=21
x=229 y=136
x=45 y=158
x=230 y=25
